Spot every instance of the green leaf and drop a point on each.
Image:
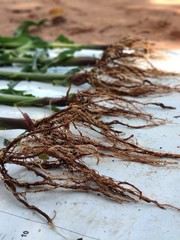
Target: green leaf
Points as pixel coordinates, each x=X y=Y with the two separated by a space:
x=13 y=41
x=5 y=57
x=27 y=68
x=22 y=43
x=67 y=54
x=23 y=29
x=62 y=57
x=75 y=70
x=10 y=90
x=63 y=39
x=12 y=84
x=54 y=108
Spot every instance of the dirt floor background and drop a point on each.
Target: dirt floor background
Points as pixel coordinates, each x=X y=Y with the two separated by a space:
x=97 y=21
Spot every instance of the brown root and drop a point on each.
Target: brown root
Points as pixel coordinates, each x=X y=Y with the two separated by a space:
x=56 y=151
x=124 y=69
x=99 y=103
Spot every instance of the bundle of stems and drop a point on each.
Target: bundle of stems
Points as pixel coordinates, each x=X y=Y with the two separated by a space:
x=117 y=62
x=32 y=52
x=40 y=60
x=56 y=150
x=117 y=72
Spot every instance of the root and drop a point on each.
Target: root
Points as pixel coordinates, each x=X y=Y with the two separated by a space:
x=124 y=69
x=56 y=151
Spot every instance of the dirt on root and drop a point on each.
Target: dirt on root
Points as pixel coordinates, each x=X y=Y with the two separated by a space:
x=97 y=21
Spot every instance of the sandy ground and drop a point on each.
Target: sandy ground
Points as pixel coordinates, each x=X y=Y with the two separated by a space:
x=97 y=21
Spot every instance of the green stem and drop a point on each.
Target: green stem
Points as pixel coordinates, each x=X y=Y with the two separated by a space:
x=16 y=42
x=15 y=100
x=54 y=78
x=59 y=79
x=77 y=61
